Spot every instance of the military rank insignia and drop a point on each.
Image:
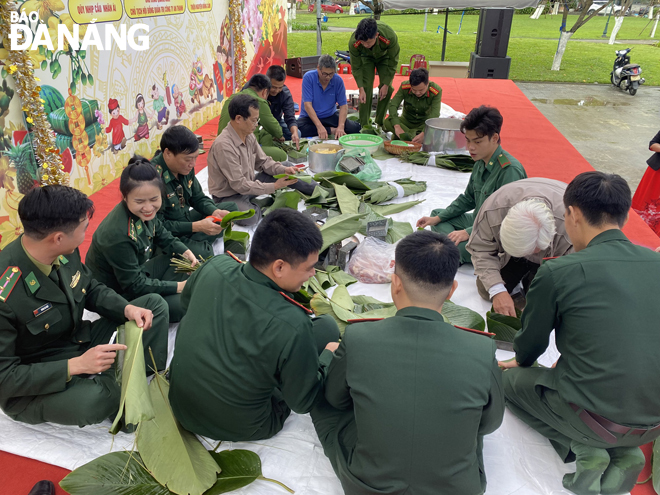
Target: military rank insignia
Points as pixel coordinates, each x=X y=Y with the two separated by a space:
x=75 y=279
x=131 y=230
x=8 y=281
x=189 y=183
x=63 y=260
x=32 y=282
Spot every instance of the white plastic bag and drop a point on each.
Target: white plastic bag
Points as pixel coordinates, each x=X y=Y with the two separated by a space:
x=373 y=261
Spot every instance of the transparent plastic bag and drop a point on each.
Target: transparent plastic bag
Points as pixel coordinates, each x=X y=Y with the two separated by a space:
x=371 y=170
x=373 y=261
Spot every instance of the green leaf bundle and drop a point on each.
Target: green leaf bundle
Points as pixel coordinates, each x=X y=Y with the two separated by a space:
x=504 y=327
x=283 y=199
x=461 y=163
x=339 y=228
x=462 y=316
x=235 y=241
x=387 y=192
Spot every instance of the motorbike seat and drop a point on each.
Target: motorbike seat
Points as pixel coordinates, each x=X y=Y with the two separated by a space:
x=631 y=66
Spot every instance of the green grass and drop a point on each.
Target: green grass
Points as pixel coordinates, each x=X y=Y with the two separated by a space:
x=531 y=55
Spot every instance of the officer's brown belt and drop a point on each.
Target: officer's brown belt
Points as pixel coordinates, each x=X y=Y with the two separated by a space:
x=605 y=428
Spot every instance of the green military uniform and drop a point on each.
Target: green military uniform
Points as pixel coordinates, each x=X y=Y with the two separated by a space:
x=484 y=181
x=270 y=127
x=422 y=394
x=246 y=354
x=384 y=57
x=41 y=317
x=416 y=110
x=122 y=257
x=602 y=304
x=185 y=203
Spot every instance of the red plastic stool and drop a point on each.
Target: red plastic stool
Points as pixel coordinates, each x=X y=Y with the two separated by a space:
x=345 y=69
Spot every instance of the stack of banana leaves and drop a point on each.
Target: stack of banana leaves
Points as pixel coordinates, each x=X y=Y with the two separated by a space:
x=291 y=150
x=462 y=163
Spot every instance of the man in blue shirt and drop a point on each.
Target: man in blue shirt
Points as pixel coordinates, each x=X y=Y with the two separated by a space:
x=322 y=90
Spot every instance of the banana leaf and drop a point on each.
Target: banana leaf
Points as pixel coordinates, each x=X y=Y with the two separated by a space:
x=348 y=202
x=340 y=277
x=397 y=231
x=134 y=405
x=367 y=303
x=655 y=466
x=239 y=469
x=235 y=241
x=462 y=163
x=300 y=176
x=462 y=316
x=504 y=327
x=117 y=473
x=284 y=199
x=393 y=208
x=387 y=192
x=339 y=228
x=233 y=216
x=349 y=180
x=174 y=456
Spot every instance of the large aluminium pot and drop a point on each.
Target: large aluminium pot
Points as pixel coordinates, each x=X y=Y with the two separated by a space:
x=444 y=135
x=324 y=162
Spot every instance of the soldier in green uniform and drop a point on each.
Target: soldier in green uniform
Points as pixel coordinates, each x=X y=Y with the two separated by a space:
x=122 y=253
x=55 y=366
x=420 y=392
x=493 y=168
x=602 y=398
x=373 y=46
x=421 y=101
x=247 y=353
x=259 y=87
x=186 y=210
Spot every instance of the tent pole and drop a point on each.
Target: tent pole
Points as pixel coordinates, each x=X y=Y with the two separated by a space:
x=319 y=42
x=444 y=35
x=426 y=16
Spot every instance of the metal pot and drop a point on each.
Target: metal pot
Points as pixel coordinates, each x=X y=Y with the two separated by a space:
x=444 y=135
x=324 y=162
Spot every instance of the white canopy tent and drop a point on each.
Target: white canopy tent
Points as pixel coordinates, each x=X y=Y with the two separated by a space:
x=456 y=4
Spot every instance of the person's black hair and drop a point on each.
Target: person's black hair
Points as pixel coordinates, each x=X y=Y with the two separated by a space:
x=259 y=82
x=276 y=72
x=139 y=98
x=138 y=171
x=366 y=29
x=485 y=121
x=419 y=76
x=602 y=198
x=48 y=209
x=427 y=259
x=241 y=104
x=179 y=139
x=287 y=235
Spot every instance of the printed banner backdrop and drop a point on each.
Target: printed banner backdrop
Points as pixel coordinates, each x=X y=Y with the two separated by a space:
x=106 y=105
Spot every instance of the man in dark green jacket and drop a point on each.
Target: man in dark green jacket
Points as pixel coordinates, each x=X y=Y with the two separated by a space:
x=493 y=168
x=259 y=87
x=373 y=46
x=54 y=366
x=409 y=398
x=602 y=398
x=247 y=353
x=186 y=209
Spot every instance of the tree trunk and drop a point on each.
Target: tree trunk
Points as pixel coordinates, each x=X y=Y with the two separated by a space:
x=615 y=30
x=655 y=25
x=651 y=12
x=319 y=41
x=563 y=41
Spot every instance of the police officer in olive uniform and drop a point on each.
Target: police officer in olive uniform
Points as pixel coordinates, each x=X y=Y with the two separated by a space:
x=601 y=400
x=247 y=353
x=493 y=168
x=122 y=253
x=373 y=46
x=55 y=366
x=421 y=101
x=259 y=87
x=186 y=209
x=420 y=392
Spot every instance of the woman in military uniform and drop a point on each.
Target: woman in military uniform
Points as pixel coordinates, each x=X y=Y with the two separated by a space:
x=123 y=245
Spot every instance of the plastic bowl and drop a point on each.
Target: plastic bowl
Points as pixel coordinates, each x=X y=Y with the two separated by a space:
x=366 y=141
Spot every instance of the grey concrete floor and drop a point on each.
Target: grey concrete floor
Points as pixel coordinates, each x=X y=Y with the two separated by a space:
x=610 y=128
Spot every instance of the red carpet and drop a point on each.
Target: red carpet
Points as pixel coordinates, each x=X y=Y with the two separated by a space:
x=527 y=135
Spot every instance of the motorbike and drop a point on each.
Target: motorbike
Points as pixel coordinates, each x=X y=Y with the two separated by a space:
x=625 y=75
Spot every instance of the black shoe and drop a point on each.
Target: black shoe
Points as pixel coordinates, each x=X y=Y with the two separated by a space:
x=43 y=487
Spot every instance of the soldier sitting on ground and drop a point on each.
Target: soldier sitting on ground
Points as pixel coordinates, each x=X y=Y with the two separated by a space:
x=54 y=366
x=247 y=353
x=408 y=399
x=601 y=400
x=493 y=168
x=421 y=101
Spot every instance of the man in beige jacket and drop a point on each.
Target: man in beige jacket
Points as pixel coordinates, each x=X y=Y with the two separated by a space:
x=518 y=226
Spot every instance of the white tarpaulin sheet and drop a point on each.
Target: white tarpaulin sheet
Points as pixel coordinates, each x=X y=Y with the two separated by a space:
x=455 y=4
x=518 y=460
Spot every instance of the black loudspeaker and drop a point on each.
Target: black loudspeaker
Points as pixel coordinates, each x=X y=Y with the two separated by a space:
x=489 y=67
x=493 y=32
x=297 y=67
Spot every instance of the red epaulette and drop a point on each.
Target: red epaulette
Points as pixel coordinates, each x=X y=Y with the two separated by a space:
x=487 y=334
x=357 y=44
x=8 y=281
x=550 y=258
x=433 y=90
x=308 y=311
x=406 y=85
x=360 y=320
x=234 y=256
x=383 y=39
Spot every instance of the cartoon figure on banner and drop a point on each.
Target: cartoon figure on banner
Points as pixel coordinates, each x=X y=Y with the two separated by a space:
x=116 y=126
x=142 y=118
x=162 y=112
x=227 y=57
x=200 y=84
x=179 y=104
x=168 y=93
x=218 y=76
